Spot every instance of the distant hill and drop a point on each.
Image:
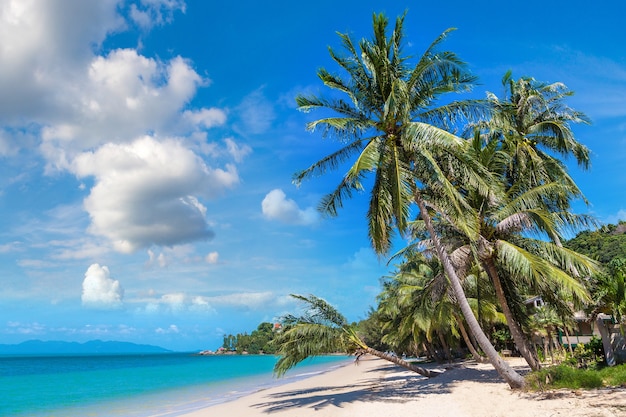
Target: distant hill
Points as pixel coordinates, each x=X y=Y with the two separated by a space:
x=603 y=245
x=35 y=347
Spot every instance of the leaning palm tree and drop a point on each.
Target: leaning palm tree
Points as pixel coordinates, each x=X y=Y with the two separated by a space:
x=511 y=246
x=321 y=330
x=391 y=124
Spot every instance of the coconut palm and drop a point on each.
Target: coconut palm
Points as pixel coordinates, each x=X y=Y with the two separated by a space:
x=517 y=143
x=390 y=123
x=416 y=302
x=321 y=330
x=532 y=123
x=511 y=245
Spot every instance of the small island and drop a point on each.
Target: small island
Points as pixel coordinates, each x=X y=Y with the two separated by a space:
x=258 y=342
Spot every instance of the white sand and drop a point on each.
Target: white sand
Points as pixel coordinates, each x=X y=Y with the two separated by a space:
x=376 y=388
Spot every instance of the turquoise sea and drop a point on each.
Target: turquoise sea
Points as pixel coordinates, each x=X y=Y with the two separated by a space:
x=137 y=385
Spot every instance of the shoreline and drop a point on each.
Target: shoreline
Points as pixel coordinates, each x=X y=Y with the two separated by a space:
x=375 y=387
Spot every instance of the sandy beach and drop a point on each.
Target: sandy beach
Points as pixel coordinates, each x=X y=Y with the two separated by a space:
x=376 y=388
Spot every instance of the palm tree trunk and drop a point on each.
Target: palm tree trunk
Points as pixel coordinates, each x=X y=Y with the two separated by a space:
x=550 y=344
x=521 y=341
x=609 y=355
x=401 y=362
x=477 y=356
x=431 y=352
x=569 y=342
x=445 y=347
x=514 y=379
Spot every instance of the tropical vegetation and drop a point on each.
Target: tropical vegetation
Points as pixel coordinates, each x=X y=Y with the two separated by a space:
x=258 y=341
x=322 y=329
x=475 y=190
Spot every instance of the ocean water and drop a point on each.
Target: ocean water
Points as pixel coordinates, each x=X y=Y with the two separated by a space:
x=164 y=385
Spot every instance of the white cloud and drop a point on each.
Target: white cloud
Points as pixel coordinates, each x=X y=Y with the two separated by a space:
x=178 y=303
x=160 y=259
x=123 y=96
x=145 y=193
x=617 y=217
x=42 y=42
x=14 y=327
x=88 y=113
x=172 y=329
x=100 y=290
x=212 y=258
x=55 y=85
x=248 y=300
x=236 y=151
x=276 y=206
x=149 y=13
x=205 y=118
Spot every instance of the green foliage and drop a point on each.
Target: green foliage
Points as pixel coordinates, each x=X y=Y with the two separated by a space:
x=563 y=376
x=614 y=375
x=604 y=244
x=259 y=341
x=320 y=330
x=588 y=355
x=502 y=338
x=371 y=331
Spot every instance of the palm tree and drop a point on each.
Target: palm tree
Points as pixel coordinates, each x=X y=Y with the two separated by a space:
x=531 y=123
x=526 y=127
x=511 y=245
x=322 y=329
x=546 y=322
x=392 y=126
x=416 y=301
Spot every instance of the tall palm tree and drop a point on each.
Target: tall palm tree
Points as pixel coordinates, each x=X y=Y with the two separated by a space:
x=529 y=125
x=511 y=245
x=391 y=124
x=321 y=330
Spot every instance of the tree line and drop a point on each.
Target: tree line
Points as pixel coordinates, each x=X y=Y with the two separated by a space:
x=259 y=341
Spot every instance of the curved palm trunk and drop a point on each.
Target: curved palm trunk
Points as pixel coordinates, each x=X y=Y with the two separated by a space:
x=401 y=362
x=477 y=356
x=514 y=379
x=521 y=341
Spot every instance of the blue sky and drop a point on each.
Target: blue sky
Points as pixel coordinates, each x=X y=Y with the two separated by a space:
x=148 y=147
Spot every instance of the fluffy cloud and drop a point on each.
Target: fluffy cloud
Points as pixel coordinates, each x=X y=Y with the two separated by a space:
x=89 y=114
x=100 y=290
x=55 y=85
x=123 y=96
x=145 y=193
x=43 y=41
x=276 y=206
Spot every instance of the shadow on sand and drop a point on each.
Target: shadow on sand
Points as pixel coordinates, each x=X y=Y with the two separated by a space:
x=395 y=386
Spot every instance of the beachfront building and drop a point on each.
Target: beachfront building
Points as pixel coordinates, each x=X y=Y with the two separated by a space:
x=584 y=328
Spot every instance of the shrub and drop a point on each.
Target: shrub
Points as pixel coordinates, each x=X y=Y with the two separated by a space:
x=563 y=376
